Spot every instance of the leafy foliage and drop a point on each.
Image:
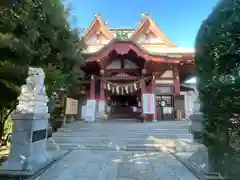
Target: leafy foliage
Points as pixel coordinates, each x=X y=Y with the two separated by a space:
x=218 y=62
x=36 y=33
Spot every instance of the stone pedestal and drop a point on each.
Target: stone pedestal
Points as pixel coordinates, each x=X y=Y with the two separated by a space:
x=198 y=161
x=28 y=149
x=196 y=118
x=30 y=123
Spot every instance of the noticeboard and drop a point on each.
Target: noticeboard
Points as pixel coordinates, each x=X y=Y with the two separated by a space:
x=71 y=106
x=148 y=103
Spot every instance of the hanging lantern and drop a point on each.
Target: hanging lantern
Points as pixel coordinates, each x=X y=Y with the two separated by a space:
x=113 y=89
x=126 y=88
x=122 y=91
x=131 y=89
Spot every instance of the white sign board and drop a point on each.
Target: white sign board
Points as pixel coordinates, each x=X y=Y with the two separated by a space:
x=148 y=103
x=71 y=106
x=90 y=110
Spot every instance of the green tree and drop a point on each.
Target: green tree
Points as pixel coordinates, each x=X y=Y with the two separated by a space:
x=35 y=33
x=218 y=62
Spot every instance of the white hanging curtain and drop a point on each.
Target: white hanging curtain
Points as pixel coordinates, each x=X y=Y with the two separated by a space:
x=108 y=86
x=113 y=89
x=117 y=90
x=135 y=86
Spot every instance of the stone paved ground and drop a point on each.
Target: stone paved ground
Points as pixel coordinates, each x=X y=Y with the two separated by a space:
x=120 y=151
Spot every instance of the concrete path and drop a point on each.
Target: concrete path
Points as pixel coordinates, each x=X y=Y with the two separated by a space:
x=120 y=150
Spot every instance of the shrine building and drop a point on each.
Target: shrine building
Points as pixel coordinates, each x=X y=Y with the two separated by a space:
x=121 y=65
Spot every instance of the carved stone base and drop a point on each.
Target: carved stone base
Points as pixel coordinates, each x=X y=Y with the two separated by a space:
x=28 y=148
x=198 y=163
x=17 y=171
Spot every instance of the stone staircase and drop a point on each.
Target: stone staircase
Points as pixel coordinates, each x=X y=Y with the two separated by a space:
x=122 y=136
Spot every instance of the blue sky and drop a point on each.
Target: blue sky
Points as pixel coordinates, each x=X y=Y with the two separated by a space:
x=179 y=19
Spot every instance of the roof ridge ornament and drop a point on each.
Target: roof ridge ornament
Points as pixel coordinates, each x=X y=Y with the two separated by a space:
x=98 y=15
x=147 y=14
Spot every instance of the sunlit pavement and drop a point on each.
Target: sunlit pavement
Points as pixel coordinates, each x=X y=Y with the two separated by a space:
x=120 y=150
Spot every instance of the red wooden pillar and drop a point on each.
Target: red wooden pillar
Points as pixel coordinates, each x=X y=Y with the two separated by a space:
x=102 y=92
x=154 y=93
x=143 y=90
x=92 y=88
x=143 y=86
x=176 y=79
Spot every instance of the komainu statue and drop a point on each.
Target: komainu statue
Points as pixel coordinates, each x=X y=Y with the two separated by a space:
x=33 y=98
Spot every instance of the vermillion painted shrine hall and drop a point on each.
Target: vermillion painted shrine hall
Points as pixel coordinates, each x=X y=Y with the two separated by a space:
x=121 y=65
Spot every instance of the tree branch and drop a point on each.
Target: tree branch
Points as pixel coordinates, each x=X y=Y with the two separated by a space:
x=5 y=117
x=8 y=114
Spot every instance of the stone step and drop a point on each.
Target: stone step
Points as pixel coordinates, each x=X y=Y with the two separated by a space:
x=123 y=131
x=125 y=128
x=116 y=135
x=100 y=139
x=130 y=137
x=136 y=147
x=69 y=146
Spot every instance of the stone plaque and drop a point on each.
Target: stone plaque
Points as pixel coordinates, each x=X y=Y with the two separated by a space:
x=39 y=135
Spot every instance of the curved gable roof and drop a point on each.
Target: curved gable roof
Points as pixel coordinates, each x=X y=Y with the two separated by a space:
x=148 y=24
x=98 y=25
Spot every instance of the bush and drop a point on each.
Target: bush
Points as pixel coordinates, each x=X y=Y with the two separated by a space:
x=218 y=61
